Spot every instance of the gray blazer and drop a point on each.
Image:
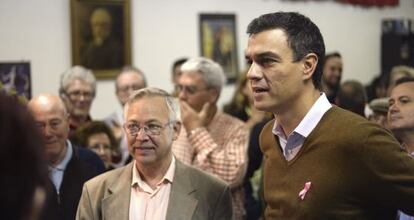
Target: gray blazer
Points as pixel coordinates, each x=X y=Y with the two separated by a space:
x=194 y=195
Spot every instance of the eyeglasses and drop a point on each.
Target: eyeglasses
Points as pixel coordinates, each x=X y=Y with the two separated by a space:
x=150 y=129
x=126 y=88
x=77 y=94
x=189 y=89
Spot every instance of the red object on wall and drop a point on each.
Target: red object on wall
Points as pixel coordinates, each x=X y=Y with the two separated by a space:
x=372 y=2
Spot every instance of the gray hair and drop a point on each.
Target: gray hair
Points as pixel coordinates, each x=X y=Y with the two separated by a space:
x=211 y=71
x=77 y=72
x=171 y=101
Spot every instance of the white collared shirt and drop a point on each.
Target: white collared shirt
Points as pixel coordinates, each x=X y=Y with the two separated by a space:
x=147 y=203
x=56 y=173
x=292 y=144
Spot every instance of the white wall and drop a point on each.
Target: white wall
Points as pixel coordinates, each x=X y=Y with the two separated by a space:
x=163 y=30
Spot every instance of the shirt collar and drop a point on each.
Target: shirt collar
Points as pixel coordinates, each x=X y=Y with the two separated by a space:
x=311 y=119
x=168 y=176
x=64 y=163
x=404 y=146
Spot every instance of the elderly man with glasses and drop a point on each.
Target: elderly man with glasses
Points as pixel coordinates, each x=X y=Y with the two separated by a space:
x=127 y=81
x=155 y=185
x=77 y=90
x=211 y=140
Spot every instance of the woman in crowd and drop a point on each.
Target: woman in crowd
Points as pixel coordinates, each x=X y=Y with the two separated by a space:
x=98 y=137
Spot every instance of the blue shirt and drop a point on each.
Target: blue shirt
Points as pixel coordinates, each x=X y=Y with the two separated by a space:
x=56 y=173
x=293 y=143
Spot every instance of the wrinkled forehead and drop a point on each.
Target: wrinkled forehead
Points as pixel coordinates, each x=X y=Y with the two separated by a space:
x=191 y=78
x=79 y=85
x=147 y=107
x=129 y=77
x=47 y=112
x=403 y=89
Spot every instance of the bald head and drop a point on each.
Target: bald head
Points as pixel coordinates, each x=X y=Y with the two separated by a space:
x=52 y=120
x=46 y=101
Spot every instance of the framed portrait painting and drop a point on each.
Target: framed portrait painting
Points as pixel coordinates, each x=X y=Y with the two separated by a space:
x=218 y=42
x=101 y=38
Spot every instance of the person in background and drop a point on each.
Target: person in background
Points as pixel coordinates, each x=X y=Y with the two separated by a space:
x=69 y=166
x=176 y=73
x=98 y=137
x=320 y=161
x=128 y=80
x=398 y=72
x=377 y=88
x=379 y=108
x=241 y=105
x=155 y=185
x=23 y=170
x=210 y=139
x=77 y=90
x=332 y=74
x=351 y=96
x=401 y=118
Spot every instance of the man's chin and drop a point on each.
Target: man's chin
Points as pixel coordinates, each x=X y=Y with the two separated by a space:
x=81 y=113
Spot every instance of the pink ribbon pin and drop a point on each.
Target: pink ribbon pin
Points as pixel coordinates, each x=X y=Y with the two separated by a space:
x=303 y=192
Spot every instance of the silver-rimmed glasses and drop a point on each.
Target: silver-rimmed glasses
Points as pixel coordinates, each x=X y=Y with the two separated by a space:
x=150 y=129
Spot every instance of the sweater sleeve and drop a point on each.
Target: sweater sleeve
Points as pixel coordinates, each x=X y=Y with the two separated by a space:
x=392 y=169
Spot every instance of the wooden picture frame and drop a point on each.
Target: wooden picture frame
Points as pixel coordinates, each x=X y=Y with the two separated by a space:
x=218 y=42
x=101 y=35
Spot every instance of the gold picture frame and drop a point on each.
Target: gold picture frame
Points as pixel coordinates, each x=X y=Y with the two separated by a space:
x=101 y=35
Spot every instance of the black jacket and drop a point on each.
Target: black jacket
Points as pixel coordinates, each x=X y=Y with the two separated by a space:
x=83 y=165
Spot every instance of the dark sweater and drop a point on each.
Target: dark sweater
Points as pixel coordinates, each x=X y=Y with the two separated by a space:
x=83 y=165
x=357 y=170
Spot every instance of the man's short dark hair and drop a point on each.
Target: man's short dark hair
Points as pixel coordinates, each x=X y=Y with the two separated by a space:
x=352 y=96
x=404 y=79
x=331 y=55
x=178 y=63
x=303 y=36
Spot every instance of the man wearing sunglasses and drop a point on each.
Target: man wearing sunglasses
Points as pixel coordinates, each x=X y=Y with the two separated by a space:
x=155 y=185
x=211 y=140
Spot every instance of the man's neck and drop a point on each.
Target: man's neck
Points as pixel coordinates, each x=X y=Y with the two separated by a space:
x=76 y=120
x=211 y=113
x=153 y=174
x=56 y=161
x=292 y=115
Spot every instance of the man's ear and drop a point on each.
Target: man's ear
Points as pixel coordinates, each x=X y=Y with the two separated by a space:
x=177 y=129
x=214 y=95
x=309 y=65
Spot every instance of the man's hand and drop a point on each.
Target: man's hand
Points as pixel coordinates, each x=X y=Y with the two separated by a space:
x=192 y=119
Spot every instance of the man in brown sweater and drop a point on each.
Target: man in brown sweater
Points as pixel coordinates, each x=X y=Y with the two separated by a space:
x=320 y=161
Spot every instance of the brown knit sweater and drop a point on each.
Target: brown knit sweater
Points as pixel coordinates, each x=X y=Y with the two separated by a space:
x=357 y=170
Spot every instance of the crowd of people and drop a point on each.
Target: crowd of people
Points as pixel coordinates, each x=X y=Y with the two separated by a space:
x=293 y=143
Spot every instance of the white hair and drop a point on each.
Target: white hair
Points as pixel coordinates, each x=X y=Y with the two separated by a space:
x=211 y=71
